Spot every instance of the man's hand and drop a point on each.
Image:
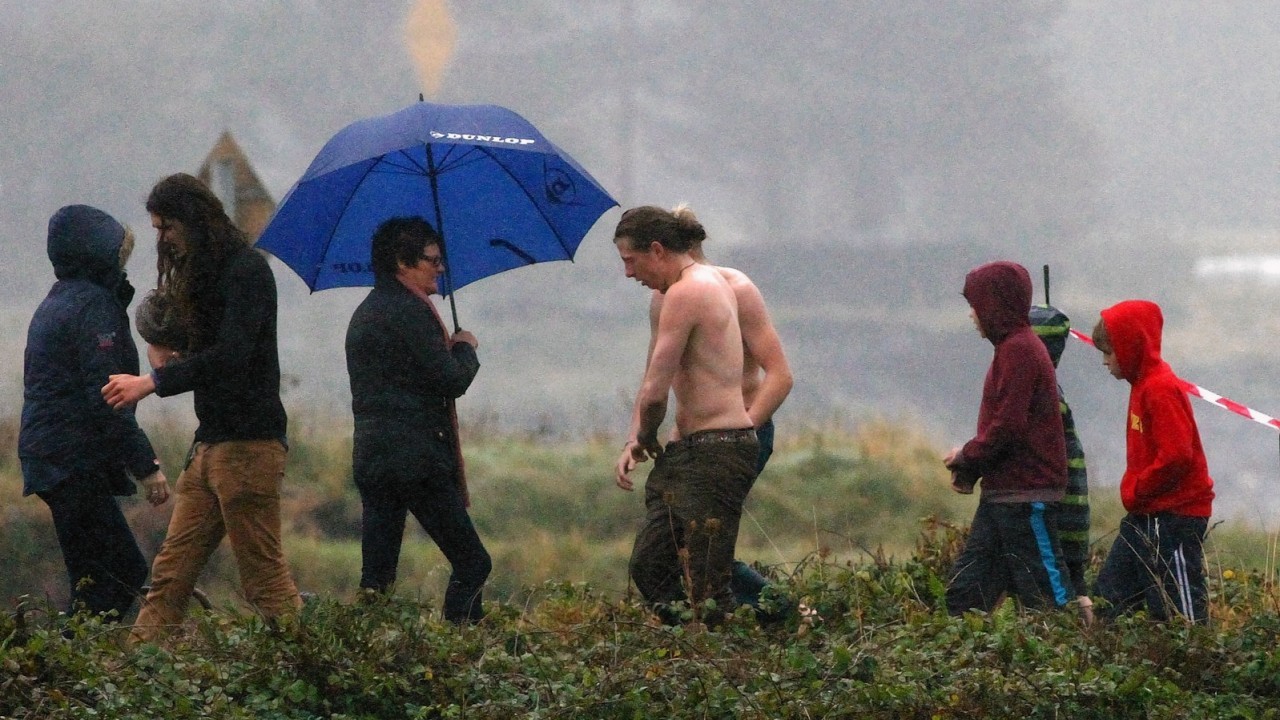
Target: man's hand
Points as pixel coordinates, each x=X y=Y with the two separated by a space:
x=627 y=462
x=156 y=487
x=634 y=453
x=121 y=391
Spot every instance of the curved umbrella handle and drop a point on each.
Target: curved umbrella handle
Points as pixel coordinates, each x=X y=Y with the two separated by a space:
x=500 y=242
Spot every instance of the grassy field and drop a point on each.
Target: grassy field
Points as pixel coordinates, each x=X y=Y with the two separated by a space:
x=856 y=523
x=548 y=511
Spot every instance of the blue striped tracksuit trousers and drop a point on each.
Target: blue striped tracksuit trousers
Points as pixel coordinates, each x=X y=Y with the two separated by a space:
x=1012 y=549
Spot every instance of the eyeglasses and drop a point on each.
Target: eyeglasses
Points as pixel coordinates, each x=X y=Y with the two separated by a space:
x=435 y=260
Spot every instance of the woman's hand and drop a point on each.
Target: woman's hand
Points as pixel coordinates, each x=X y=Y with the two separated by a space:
x=467 y=337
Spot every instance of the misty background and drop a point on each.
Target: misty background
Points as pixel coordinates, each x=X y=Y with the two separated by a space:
x=855 y=158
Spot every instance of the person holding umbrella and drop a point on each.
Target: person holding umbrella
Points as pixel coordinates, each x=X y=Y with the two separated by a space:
x=77 y=454
x=406 y=371
x=225 y=295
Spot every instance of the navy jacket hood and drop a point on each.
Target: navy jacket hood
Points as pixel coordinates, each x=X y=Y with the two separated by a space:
x=84 y=242
x=78 y=337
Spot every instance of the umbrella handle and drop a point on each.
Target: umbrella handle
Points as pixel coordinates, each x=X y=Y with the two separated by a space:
x=453 y=308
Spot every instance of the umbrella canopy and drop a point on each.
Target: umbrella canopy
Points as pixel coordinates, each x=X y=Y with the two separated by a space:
x=500 y=194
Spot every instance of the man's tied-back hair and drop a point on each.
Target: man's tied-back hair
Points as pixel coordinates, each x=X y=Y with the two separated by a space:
x=677 y=230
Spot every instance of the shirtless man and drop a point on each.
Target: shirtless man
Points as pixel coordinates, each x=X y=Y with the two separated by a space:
x=766 y=382
x=766 y=375
x=694 y=494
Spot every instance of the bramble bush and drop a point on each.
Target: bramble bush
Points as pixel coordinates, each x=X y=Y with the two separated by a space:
x=836 y=521
x=878 y=646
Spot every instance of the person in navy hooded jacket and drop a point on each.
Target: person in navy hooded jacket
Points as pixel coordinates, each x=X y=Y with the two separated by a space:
x=1019 y=454
x=77 y=453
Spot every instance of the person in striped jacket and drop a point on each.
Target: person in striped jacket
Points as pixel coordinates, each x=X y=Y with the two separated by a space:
x=1052 y=326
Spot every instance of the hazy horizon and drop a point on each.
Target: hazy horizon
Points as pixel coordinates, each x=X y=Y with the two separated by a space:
x=855 y=158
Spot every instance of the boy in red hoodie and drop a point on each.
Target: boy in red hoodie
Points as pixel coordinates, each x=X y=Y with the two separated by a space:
x=1019 y=453
x=1158 y=557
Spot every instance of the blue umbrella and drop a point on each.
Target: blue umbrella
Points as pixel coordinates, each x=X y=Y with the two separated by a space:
x=500 y=194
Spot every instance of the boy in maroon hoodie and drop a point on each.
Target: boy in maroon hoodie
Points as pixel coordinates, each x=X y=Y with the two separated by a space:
x=1158 y=557
x=1019 y=453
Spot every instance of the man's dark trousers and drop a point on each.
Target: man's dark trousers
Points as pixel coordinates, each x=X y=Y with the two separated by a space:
x=693 y=501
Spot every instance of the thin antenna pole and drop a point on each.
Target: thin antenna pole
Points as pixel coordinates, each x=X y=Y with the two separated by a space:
x=1046 y=285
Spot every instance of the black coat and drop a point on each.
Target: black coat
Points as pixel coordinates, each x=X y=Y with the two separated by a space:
x=77 y=338
x=235 y=376
x=403 y=379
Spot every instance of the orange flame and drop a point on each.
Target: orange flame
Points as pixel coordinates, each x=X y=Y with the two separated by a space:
x=430 y=36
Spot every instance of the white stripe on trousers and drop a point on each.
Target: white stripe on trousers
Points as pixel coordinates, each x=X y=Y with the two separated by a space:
x=1180 y=578
x=1184 y=585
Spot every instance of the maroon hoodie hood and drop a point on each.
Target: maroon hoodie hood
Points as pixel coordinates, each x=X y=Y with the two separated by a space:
x=1000 y=295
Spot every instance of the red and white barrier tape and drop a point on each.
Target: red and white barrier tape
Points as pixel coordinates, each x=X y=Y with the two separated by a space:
x=1208 y=396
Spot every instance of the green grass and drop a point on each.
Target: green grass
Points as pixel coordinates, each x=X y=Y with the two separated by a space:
x=858 y=525
x=878 y=646
x=548 y=511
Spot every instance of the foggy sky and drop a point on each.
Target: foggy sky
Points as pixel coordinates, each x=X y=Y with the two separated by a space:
x=1046 y=132
x=1185 y=94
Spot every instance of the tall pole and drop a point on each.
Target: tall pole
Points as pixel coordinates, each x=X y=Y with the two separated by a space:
x=627 y=101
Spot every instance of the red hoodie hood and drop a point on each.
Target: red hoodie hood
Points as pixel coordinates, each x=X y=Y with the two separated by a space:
x=1000 y=295
x=1135 y=327
x=1165 y=466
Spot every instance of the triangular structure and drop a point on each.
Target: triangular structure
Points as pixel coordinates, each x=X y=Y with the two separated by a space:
x=228 y=173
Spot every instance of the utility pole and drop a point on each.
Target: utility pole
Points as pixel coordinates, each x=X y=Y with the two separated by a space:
x=627 y=105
